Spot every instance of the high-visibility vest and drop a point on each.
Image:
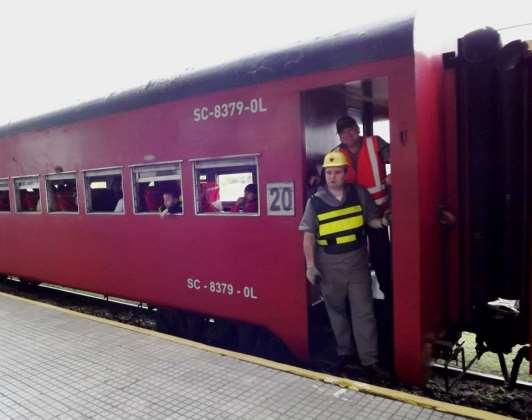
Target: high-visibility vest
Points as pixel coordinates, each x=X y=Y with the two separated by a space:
x=370 y=171
x=340 y=229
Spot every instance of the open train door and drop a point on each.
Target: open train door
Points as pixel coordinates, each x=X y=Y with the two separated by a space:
x=494 y=120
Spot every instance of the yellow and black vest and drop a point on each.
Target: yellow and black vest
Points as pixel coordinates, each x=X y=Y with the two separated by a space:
x=340 y=229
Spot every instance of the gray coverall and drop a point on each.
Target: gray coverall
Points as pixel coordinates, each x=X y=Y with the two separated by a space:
x=346 y=276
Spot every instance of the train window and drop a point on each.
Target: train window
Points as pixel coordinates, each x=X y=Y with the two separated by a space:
x=227 y=186
x=62 y=194
x=27 y=194
x=104 y=191
x=4 y=195
x=157 y=188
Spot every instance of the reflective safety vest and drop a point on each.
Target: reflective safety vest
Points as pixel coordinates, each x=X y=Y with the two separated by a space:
x=370 y=171
x=340 y=229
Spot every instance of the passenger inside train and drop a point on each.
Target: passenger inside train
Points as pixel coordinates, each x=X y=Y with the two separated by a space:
x=249 y=202
x=227 y=185
x=118 y=194
x=158 y=188
x=210 y=197
x=104 y=191
x=157 y=196
x=27 y=193
x=62 y=193
x=171 y=204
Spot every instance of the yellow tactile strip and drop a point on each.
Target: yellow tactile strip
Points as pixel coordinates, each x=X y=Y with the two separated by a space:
x=318 y=376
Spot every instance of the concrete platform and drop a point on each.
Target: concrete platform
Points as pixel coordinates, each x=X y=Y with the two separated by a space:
x=56 y=364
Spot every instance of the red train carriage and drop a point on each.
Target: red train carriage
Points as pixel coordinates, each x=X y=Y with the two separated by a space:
x=80 y=189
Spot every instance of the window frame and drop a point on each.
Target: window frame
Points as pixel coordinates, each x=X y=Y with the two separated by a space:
x=17 y=199
x=134 y=191
x=75 y=177
x=255 y=157
x=8 y=183
x=85 y=185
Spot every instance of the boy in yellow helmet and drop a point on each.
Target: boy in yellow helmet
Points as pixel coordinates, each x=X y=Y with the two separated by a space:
x=334 y=245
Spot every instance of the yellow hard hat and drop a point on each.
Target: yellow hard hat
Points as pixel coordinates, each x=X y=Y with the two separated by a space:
x=334 y=159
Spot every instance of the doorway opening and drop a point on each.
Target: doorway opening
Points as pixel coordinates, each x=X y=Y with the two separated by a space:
x=367 y=101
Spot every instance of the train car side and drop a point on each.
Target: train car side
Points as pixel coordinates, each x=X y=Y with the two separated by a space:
x=184 y=261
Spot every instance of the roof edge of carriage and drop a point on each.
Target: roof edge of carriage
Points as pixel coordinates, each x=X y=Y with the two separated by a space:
x=391 y=39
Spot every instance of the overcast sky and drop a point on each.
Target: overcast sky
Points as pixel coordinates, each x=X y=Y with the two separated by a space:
x=59 y=53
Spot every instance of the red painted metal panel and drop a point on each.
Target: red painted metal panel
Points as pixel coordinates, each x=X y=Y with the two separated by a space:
x=406 y=245
x=431 y=176
x=418 y=193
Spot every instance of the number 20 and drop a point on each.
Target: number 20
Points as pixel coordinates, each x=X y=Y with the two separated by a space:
x=282 y=199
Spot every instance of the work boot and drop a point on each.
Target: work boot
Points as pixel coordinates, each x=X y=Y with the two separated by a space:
x=376 y=373
x=341 y=363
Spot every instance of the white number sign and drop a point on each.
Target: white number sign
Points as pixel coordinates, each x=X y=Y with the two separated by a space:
x=280 y=198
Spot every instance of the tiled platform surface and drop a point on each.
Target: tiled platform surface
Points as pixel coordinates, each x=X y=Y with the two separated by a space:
x=56 y=365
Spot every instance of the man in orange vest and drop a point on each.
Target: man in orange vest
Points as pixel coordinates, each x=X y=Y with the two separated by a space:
x=367 y=157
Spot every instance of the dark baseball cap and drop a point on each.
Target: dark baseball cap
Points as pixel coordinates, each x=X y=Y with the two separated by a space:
x=345 y=122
